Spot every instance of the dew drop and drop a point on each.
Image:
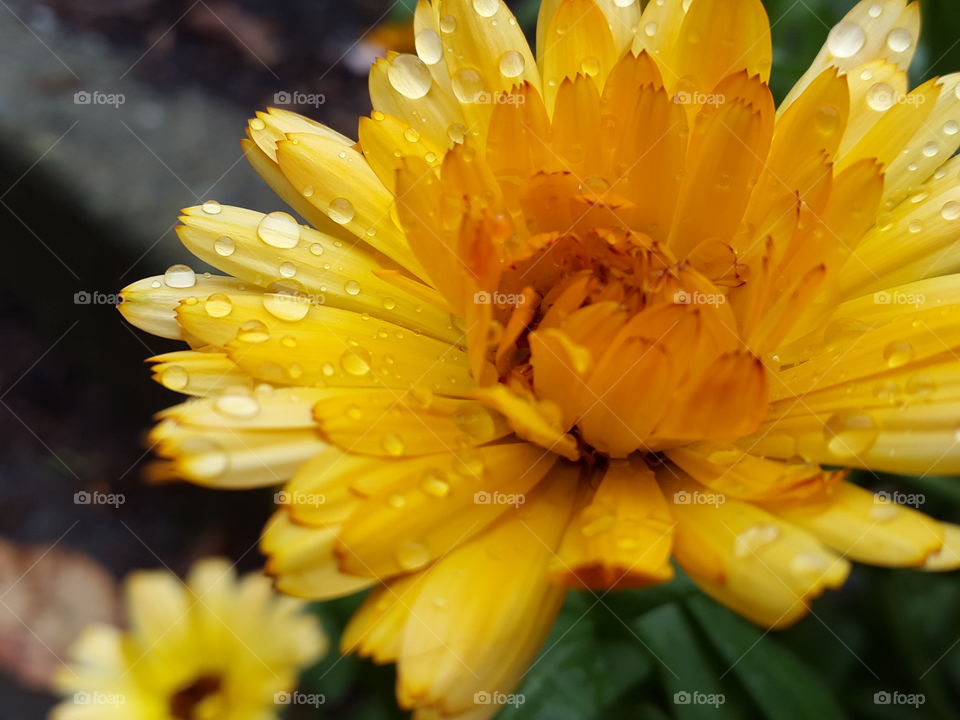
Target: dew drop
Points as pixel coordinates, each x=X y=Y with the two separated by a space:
x=253 y=331
x=950 y=211
x=884 y=512
x=899 y=40
x=827 y=120
x=212 y=207
x=288 y=270
x=316 y=249
x=475 y=420
x=915 y=227
x=279 y=230
x=180 y=276
x=258 y=124
x=434 y=484
x=850 y=433
x=448 y=23
x=467 y=85
x=590 y=66
x=457 y=132
x=429 y=46
x=951 y=127
x=341 y=211
x=409 y=76
x=224 y=246
x=203 y=458
x=411 y=135
x=881 y=96
x=754 y=538
x=352 y=287
x=650 y=29
x=389 y=303
x=486 y=8
x=412 y=555
x=511 y=64
x=808 y=565
x=931 y=149
x=237 y=402
x=392 y=444
x=898 y=354
x=846 y=39
x=355 y=361
x=876 y=10
x=218 y=305
x=285 y=306
x=921 y=386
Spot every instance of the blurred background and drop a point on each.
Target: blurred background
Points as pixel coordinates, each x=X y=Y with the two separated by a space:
x=113 y=115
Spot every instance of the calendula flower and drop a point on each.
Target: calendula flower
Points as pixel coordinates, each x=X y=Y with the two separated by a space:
x=560 y=319
x=216 y=648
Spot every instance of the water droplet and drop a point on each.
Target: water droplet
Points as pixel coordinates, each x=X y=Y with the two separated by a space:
x=412 y=555
x=921 y=386
x=389 y=303
x=253 y=331
x=392 y=444
x=809 y=565
x=846 y=39
x=237 y=402
x=434 y=484
x=467 y=85
x=881 y=97
x=951 y=127
x=475 y=420
x=898 y=354
x=409 y=76
x=397 y=501
x=355 y=361
x=590 y=66
x=174 y=378
x=457 y=132
x=850 y=433
x=486 y=8
x=352 y=287
x=754 y=538
x=650 y=29
x=224 y=246
x=469 y=463
x=884 y=511
x=279 y=230
x=180 y=276
x=341 y=211
x=288 y=270
x=931 y=149
x=429 y=46
x=204 y=459
x=625 y=3
x=448 y=23
x=915 y=227
x=212 y=207
x=411 y=135
x=316 y=249
x=258 y=124
x=899 y=40
x=218 y=305
x=286 y=306
x=827 y=120
x=511 y=64
x=876 y=10
x=951 y=210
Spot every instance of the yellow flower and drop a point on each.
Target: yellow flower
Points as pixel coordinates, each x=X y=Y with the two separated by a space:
x=215 y=648
x=561 y=319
